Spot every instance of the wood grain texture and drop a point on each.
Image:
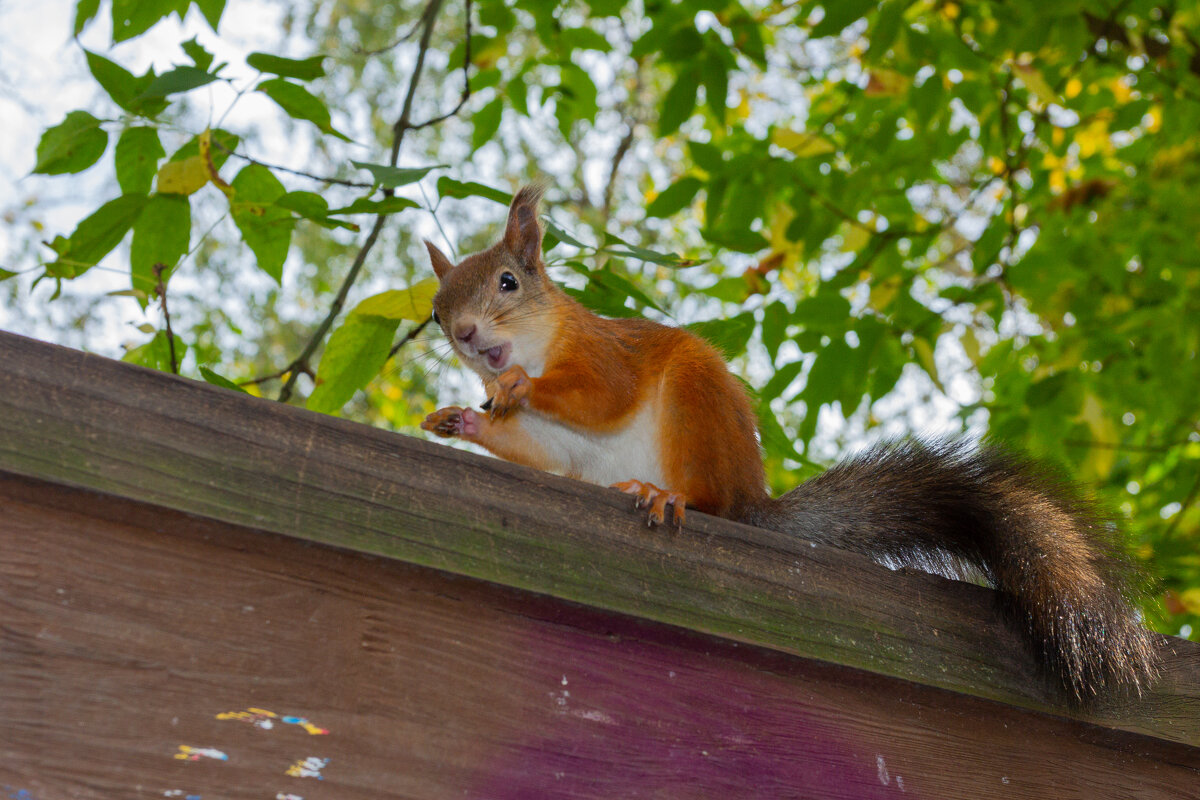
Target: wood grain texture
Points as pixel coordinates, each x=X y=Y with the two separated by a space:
x=76 y=419
x=127 y=629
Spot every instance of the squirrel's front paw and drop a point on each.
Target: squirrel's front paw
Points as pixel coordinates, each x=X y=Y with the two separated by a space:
x=513 y=388
x=452 y=421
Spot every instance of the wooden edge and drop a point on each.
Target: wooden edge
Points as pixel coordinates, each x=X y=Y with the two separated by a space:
x=82 y=420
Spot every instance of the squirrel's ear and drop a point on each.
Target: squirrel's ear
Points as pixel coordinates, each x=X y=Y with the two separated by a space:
x=441 y=264
x=523 y=234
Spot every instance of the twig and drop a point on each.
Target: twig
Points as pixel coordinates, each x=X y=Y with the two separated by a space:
x=160 y=289
x=408 y=337
x=358 y=51
x=1132 y=448
x=300 y=173
x=402 y=126
x=466 y=68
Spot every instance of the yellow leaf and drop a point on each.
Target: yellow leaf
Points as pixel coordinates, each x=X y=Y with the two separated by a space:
x=205 y=143
x=855 y=238
x=183 y=177
x=804 y=145
x=1154 y=124
x=1036 y=83
x=885 y=82
x=414 y=303
x=883 y=293
x=1073 y=88
x=923 y=350
x=1100 y=460
x=1094 y=139
x=970 y=343
x=1190 y=598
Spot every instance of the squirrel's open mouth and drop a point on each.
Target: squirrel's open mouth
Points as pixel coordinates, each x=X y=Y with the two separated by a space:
x=498 y=355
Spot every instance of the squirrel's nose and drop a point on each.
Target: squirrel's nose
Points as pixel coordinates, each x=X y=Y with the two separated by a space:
x=464 y=335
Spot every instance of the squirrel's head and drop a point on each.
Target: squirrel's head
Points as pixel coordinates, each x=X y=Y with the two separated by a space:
x=493 y=305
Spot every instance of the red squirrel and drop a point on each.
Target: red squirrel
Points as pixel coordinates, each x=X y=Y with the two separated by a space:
x=653 y=410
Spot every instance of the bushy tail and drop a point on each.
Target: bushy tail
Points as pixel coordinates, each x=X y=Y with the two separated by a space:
x=949 y=506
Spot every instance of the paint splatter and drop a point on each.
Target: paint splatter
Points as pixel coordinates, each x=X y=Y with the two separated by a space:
x=288 y=796
x=258 y=717
x=19 y=794
x=308 y=768
x=188 y=753
x=262 y=718
x=180 y=793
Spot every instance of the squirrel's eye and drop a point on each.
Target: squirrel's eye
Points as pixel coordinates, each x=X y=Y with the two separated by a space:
x=508 y=282
x=436 y=319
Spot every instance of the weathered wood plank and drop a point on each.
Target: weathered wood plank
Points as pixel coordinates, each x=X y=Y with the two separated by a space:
x=128 y=629
x=82 y=420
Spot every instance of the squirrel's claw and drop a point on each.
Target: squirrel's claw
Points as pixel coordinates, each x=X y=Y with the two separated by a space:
x=647 y=495
x=513 y=388
x=452 y=421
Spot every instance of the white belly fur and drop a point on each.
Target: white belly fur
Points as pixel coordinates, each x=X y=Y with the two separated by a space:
x=630 y=453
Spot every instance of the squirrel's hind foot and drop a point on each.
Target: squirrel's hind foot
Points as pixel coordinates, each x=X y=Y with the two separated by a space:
x=647 y=495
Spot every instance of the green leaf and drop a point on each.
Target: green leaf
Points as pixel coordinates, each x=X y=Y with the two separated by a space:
x=356 y=352
x=608 y=280
x=95 y=236
x=628 y=250
x=266 y=228
x=775 y=440
x=137 y=154
x=487 y=122
x=716 y=84
x=839 y=14
x=414 y=304
x=5 y=274
x=675 y=197
x=299 y=103
x=559 y=235
x=123 y=87
x=887 y=25
x=71 y=146
x=393 y=177
x=220 y=380
x=174 y=81
x=132 y=18
x=781 y=380
x=708 y=157
x=196 y=52
x=679 y=103
x=161 y=235
x=156 y=353
x=823 y=311
x=387 y=205
x=85 y=12
x=212 y=10
x=584 y=39
x=774 y=327
x=727 y=335
x=449 y=187
x=301 y=69
x=309 y=205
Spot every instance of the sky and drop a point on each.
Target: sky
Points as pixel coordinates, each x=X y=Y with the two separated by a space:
x=44 y=76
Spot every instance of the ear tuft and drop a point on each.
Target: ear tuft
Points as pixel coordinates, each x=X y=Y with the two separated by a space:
x=523 y=234
x=441 y=264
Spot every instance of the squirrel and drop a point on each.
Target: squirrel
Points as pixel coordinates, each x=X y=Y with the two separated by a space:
x=653 y=410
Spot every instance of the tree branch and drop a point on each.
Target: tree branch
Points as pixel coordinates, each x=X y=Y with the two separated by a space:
x=402 y=126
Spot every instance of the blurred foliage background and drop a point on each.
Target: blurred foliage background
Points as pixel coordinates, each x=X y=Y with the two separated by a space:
x=892 y=217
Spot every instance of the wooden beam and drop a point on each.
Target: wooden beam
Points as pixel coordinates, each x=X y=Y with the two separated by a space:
x=82 y=420
x=131 y=632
